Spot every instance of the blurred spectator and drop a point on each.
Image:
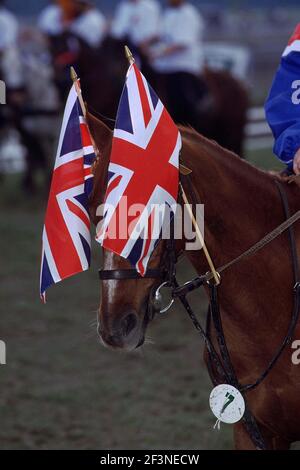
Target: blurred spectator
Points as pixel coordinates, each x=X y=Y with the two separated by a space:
x=137 y=22
x=179 y=56
x=16 y=142
x=78 y=17
x=180 y=48
x=10 y=63
x=9 y=28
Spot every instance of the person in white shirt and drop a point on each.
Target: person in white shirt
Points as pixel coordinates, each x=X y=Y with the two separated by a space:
x=136 y=21
x=50 y=20
x=178 y=55
x=10 y=60
x=180 y=46
x=77 y=17
x=9 y=28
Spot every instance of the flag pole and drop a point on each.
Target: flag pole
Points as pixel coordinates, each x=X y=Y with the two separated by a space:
x=185 y=170
x=214 y=272
x=75 y=80
x=129 y=56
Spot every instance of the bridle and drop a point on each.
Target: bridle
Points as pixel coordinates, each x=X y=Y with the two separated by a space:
x=165 y=274
x=220 y=365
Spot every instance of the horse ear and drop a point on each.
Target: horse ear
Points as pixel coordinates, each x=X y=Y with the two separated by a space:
x=102 y=136
x=101 y=133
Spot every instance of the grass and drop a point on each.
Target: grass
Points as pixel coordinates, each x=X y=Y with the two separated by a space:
x=264 y=159
x=60 y=389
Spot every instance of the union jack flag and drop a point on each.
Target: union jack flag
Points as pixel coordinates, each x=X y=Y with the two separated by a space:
x=66 y=234
x=143 y=170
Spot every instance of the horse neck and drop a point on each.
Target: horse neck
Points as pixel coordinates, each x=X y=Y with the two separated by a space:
x=241 y=203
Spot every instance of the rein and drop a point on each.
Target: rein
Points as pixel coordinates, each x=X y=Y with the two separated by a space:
x=220 y=365
x=200 y=280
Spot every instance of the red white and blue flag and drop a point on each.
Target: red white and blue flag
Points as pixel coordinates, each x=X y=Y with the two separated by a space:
x=66 y=236
x=144 y=170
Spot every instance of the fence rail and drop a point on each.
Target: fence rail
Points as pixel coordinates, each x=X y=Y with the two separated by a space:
x=257 y=132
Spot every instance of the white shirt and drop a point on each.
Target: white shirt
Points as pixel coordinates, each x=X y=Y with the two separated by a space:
x=138 y=20
x=9 y=29
x=90 y=26
x=49 y=21
x=11 y=66
x=181 y=26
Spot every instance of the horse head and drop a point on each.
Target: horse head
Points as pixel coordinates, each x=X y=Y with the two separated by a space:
x=130 y=303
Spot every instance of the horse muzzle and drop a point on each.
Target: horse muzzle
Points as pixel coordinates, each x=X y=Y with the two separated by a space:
x=126 y=332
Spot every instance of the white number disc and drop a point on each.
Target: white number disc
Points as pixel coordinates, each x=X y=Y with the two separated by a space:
x=227 y=403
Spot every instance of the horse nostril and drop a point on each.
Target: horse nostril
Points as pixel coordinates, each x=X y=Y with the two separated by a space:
x=128 y=323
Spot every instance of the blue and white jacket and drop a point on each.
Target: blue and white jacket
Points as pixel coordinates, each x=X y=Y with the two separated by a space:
x=283 y=104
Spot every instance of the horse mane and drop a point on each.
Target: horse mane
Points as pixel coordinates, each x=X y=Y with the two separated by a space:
x=195 y=139
x=237 y=171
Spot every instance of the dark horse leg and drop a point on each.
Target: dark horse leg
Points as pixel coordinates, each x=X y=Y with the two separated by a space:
x=231 y=100
x=243 y=441
x=35 y=159
x=185 y=94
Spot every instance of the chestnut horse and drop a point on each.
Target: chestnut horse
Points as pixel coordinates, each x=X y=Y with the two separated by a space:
x=242 y=204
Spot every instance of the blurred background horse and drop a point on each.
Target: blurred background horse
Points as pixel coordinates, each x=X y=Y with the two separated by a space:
x=102 y=72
